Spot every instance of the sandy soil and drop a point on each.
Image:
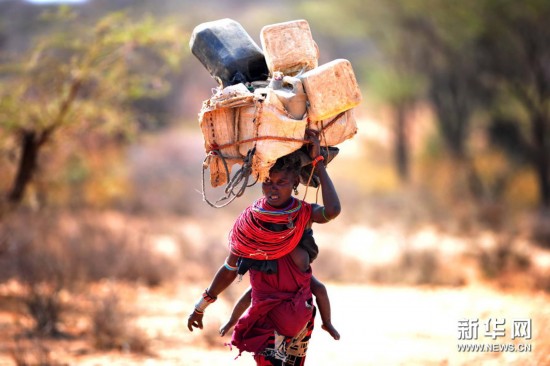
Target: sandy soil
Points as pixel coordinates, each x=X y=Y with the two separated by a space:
x=379 y=325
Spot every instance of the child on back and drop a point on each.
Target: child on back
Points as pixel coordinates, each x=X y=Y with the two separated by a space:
x=302 y=255
x=321 y=298
x=268 y=240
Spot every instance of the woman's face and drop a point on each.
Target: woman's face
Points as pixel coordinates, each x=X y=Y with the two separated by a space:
x=278 y=188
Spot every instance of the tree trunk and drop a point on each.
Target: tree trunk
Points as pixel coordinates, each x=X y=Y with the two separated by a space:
x=401 y=142
x=30 y=146
x=541 y=159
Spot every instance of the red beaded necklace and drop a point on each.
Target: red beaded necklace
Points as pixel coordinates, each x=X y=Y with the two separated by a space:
x=251 y=237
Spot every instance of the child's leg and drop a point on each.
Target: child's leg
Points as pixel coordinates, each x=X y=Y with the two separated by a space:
x=319 y=290
x=240 y=307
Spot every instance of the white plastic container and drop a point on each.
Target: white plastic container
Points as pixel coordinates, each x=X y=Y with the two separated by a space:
x=289 y=47
x=331 y=88
x=292 y=95
x=336 y=129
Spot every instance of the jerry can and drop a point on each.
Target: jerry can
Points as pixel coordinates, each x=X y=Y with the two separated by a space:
x=291 y=93
x=331 y=88
x=336 y=129
x=228 y=52
x=289 y=47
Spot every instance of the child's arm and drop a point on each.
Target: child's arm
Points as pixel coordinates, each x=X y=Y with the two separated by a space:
x=240 y=307
x=323 y=303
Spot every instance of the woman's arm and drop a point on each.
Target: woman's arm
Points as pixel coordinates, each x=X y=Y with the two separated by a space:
x=331 y=203
x=223 y=278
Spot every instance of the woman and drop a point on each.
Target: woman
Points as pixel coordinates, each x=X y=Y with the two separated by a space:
x=270 y=238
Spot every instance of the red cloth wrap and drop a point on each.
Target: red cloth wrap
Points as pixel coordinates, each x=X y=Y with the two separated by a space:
x=279 y=302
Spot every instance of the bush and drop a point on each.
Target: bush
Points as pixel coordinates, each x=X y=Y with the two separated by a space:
x=45 y=308
x=31 y=352
x=67 y=251
x=112 y=328
x=540 y=229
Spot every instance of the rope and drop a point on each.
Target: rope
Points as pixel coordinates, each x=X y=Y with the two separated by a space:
x=331 y=121
x=274 y=138
x=239 y=182
x=255 y=139
x=236 y=185
x=322 y=133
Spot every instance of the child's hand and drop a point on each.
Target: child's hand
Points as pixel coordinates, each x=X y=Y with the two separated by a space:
x=331 y=330
x=226 y=328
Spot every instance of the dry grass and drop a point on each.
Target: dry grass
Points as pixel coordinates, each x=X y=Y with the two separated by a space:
x=69 y=250
x=58 y=259
x=45 y=307
x=112 y=327
x=417 y=268
x=540 y=229
x=31 y=352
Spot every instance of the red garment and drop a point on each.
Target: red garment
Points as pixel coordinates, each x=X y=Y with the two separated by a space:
x=280 y=302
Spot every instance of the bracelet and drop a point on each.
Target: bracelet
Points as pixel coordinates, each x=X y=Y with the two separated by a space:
x=229 y=267
x=201 y=306
x=207 y=297
x=317 y=159
x=204 y=302
x=323 y=213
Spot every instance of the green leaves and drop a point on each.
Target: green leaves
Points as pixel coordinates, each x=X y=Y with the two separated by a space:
x=76 y=81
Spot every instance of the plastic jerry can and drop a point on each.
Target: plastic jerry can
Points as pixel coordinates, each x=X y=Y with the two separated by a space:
x=291 y=93
x=289 y=47
x=228 y=52
x=331 y=88
x=336 y=129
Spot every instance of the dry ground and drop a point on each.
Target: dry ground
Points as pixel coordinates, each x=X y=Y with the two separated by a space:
x=379 y=325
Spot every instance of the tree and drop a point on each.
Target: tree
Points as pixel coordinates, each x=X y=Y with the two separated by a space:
x=74 y=80
x=517 y=61
x=387 y=68
x=430 y=49
x=448 y=56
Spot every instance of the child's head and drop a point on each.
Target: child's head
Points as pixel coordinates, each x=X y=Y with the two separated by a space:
x=284 y=176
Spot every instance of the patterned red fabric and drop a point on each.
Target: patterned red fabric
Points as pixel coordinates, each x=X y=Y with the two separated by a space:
x=292 y=351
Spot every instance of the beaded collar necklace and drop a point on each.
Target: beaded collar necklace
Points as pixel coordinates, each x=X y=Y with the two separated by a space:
x=266 y=209
x=266 y=213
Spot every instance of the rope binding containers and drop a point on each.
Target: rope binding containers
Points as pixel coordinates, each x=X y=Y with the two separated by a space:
x=266 y=98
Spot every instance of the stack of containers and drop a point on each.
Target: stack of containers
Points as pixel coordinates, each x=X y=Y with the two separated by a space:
x=233 y=59
x=331 y=88
x=296 y=93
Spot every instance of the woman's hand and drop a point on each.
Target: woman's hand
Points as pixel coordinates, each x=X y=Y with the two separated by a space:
x=315 y=148
x=194 y=320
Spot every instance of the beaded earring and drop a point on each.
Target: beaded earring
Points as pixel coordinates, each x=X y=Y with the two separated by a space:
x=296 y=190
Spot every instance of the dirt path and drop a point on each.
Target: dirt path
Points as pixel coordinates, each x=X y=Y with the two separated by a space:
x=380 y=325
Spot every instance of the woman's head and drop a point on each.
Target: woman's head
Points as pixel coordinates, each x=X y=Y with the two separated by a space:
x=284 y=176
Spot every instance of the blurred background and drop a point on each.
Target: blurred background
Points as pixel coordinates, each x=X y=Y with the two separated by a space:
x=106 y=242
